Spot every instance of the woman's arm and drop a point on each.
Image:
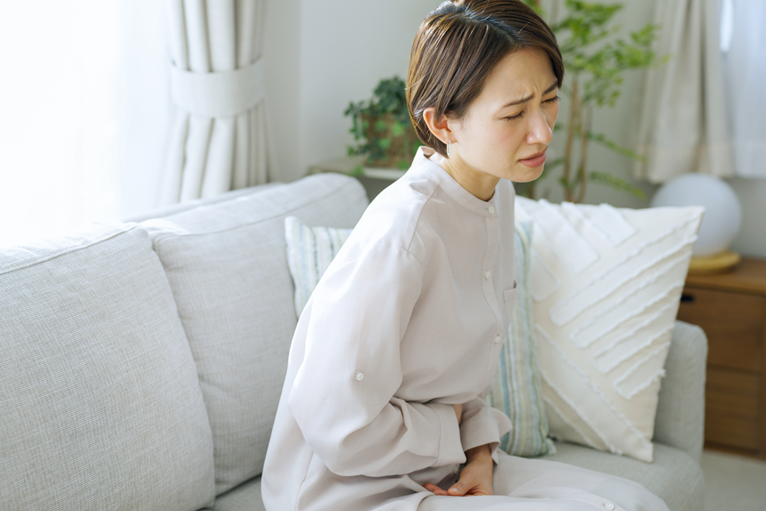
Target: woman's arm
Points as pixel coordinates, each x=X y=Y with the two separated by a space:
x=343 y=394
x=483 y=425
x=480 y=430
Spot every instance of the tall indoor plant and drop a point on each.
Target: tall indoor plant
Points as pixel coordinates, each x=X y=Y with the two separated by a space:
x=595 y=62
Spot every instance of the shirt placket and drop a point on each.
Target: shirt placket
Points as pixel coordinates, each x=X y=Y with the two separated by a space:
x=490 y=293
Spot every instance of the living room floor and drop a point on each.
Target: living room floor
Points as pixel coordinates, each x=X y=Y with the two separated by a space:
x=733 y=483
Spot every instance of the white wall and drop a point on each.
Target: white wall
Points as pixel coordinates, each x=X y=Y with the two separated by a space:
x=282 y=61
x=321 y=55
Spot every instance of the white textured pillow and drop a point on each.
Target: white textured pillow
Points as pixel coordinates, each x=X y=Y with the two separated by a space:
x=606 y=284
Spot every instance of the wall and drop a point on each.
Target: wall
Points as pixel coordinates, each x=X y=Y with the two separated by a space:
x=321 y=55
x=282 y=62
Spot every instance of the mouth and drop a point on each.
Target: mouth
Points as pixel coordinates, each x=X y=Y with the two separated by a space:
x=535 y=160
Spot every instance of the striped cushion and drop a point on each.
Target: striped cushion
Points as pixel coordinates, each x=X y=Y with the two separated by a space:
x=517 y=389
x=310 y=250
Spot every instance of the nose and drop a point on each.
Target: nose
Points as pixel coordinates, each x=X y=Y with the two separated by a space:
x=540 y=132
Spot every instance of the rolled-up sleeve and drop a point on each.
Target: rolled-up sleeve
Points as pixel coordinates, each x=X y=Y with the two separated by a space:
x=343 y=395
x=483 y=424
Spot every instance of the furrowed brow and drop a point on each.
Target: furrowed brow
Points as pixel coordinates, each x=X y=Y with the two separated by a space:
x=524 y=100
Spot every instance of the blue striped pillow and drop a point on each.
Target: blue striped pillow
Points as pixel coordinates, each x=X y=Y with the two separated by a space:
x=517 y=390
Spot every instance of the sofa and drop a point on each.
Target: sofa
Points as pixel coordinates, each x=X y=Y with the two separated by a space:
x=141 y=361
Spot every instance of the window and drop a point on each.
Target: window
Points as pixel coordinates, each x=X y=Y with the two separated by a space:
x=58 y=115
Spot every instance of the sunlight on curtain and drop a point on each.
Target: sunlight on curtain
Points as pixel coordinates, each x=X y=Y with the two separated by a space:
x=58 y=115
x=743 y=41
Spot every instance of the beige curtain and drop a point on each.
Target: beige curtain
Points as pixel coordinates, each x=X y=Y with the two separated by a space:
x=219 y=140
x=684 y=125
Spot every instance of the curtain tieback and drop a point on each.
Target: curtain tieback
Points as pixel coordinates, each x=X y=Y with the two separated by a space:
x=218 y=94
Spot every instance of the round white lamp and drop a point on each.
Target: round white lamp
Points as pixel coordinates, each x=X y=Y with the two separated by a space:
x=720 y=225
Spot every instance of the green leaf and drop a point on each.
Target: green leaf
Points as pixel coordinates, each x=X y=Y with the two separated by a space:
x=397 y=130
x=384 y=143
x=357 y=171
x=381 y=126
x=614 y=146
x=403 y=164
x=616 y=183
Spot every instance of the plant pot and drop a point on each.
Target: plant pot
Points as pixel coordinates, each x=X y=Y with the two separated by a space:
x=393 y=143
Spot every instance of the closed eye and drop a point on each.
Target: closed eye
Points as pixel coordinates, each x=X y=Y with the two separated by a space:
x=554 y=99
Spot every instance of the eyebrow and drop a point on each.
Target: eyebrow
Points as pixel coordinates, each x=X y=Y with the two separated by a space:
x=524 y=100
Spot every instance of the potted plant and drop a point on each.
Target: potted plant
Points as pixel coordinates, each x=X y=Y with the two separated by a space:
x=594 y=63
x=382 y=128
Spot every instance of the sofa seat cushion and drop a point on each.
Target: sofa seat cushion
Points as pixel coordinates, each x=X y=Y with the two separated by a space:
x=245 y=497
x=227 y=267
x=674 y=476
x=100 y=405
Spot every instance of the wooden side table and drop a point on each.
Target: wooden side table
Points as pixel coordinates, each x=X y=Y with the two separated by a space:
x=731 y=308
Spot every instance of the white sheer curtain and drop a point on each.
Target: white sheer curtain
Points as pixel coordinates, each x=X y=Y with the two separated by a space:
x=219 y=140
x=58 y=115
x=685 y=123
x=84 y=110
x=744 y=47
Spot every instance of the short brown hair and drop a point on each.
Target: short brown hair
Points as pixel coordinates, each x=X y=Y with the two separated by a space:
x=457 y=47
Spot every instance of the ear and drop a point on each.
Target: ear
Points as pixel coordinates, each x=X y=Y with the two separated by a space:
x=439 y=127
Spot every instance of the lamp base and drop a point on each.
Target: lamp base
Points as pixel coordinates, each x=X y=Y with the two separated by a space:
x=719 y=263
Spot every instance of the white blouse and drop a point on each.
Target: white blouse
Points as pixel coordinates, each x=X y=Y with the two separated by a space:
x=408 y=319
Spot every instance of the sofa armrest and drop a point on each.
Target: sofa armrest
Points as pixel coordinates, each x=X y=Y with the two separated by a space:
x=680 y=420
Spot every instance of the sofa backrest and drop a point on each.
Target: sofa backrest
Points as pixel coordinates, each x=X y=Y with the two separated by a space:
x=100 y=404
x=226 y=263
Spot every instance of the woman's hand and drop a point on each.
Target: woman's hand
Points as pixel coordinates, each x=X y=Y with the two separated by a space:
x=476 y=477
x=458 y=412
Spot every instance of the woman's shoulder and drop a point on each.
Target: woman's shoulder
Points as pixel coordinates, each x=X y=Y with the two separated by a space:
x=398 y=216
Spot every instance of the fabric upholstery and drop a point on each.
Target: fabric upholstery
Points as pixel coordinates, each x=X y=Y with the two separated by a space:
x=673 y=475
x=517 y=389
x=227 y=268
x=680 y=418
x=100 y=405
x=606 y=284
x=310 y=250
x=245 y=497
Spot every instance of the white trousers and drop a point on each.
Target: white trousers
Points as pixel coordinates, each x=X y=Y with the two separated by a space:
x=522 y=484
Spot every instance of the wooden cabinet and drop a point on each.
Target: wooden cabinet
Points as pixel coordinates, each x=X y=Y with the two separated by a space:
x=731 y=308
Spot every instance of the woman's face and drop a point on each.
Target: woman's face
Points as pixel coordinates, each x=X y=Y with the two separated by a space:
x=508 y=127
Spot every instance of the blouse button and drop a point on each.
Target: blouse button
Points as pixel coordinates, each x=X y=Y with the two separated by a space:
x=498 y=340
x=609 y=506
x=487 y=274
x=359 y=376
x=491 y=209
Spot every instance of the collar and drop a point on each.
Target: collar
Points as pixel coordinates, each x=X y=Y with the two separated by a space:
x=451 y=187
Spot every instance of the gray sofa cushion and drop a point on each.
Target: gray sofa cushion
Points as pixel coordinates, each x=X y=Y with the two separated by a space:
x=680 y=420
x=674 y=475
x=245 y=497
x=100 y=406
x=227 y=266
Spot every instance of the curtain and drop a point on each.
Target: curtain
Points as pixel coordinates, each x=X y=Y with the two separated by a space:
x=684 y=125
x=58 y=116
x=219 y=139
x=744 y=46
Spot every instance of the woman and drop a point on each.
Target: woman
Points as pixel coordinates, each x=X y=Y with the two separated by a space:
x=380 y=408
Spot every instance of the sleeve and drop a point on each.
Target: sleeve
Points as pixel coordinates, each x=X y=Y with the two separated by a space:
x=483 y=424
x=343 y=394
